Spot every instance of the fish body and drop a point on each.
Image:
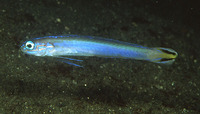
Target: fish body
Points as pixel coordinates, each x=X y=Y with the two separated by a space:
x=75 y=45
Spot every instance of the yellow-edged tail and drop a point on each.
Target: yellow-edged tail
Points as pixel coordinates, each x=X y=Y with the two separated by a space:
x=162 y=55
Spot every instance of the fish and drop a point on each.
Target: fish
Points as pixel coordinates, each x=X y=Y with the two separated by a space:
x=65 y=46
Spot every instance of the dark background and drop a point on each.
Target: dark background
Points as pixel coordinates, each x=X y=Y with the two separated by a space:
x=44 y=85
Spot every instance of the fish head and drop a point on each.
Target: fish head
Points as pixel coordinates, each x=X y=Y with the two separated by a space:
x=36 y=48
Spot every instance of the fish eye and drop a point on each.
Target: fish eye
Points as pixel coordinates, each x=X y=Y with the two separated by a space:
x=29 y=45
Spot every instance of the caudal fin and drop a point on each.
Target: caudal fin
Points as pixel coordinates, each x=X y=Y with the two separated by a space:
x=162 y=55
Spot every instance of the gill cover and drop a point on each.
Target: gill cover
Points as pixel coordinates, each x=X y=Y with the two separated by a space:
x=162 y=55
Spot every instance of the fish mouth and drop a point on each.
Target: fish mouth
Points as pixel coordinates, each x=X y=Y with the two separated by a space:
x=22 y=48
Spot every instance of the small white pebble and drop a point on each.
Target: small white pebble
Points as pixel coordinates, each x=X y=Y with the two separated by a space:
x=3 y=11
x=58 y=20
x=67 y=28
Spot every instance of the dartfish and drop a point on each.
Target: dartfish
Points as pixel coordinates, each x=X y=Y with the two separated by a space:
x=76 y=45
